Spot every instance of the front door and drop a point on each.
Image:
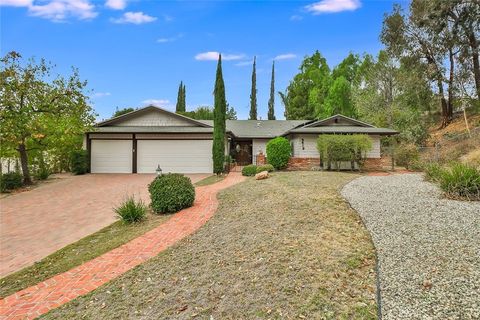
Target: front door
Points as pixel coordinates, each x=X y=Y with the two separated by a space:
x=242 y=152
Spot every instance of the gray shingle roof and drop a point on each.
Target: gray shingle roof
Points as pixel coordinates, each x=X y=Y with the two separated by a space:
x=344 y=129
x=260 y=128
x=152 y=129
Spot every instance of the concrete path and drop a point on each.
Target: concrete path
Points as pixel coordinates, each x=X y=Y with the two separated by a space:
x=36 y=223
x=52 y=293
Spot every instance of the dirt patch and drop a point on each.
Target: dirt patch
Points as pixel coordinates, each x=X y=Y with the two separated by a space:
x=286 y=247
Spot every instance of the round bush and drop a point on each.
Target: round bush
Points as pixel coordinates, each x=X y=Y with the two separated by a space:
x=10 y=181
x=249 y=170
x=265 y=167
x=171 y=193
x=406 y=155
x=278 y=152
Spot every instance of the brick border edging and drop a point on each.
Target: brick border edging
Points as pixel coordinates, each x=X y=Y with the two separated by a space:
x=36 y=300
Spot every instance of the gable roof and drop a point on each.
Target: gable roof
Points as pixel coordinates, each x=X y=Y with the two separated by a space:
x=266 y=129
x=138 y=112
x=335 y=118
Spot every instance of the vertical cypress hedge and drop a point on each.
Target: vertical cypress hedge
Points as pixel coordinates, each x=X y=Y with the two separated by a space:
x=219 y=115
x=271 y=101
x=253 y=94
x=180 y=107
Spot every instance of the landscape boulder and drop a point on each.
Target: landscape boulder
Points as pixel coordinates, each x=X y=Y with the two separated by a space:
x=261 y=175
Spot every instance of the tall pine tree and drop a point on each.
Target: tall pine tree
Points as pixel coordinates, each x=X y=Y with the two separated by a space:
x=184 y=98
x=180 y=106
x=253 y=94
x=219 y=126
x=271 y=101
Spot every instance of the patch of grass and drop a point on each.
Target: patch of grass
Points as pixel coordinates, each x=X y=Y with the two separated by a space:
x=209 y=180
x=275 y=249
x=77 y=253
x=131 y=211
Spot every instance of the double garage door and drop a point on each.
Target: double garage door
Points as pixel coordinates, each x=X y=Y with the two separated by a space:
x=181 y=156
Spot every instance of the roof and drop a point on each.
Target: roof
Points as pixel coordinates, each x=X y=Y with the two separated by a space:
x=260 y=128
x=151 y=129
x=344 y=129
x=135 y=113
x=335 y=119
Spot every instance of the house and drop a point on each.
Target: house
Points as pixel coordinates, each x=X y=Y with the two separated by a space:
x=139 y=141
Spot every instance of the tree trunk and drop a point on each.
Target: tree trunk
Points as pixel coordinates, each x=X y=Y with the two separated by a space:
x=472 y=40
x=450 y=85
x=444 y=104
x=22 y=150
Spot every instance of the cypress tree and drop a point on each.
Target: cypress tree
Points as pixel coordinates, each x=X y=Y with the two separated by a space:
x=180 y=106
x=219 y=126
x=184 y=98
x=271 y=101
x=253 y=94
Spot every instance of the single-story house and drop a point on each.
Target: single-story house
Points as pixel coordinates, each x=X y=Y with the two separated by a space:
x=139 y=141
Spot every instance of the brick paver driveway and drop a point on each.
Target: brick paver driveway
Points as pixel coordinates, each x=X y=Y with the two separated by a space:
x=37 y=223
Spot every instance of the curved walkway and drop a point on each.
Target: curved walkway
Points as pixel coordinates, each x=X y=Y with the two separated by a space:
x=427 y=247
x=52 y=293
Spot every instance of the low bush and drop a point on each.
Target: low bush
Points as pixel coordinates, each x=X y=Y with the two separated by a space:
x=42 y=173
x=433 y=172
x=249 y=170
x=278 y=151
x=132 y=211
x=337 y=148
x=79 y=162
x=171 y=193
x=406 y=155
x=461 y=181
x=265 y=167
x=10 y=181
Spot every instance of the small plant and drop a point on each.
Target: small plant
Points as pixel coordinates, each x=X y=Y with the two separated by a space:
x=406 y=155
x=79 y=162
x=279 y=152
x=42 y=173
x=10 y=181
x=131 y=211
x=171 y=193
x=433 y=172
x=461 y=181
x=249 y=170
x=265 y=167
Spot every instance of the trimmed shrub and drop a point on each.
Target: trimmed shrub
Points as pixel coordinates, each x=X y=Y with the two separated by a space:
x=266 y=167
x=406 y=155
x=279 y=151
x=171 y=193
x=335 y=148
x=132 y=211
x=461 y=181
x=249 y=170
x=10 y=181
x=79 y=162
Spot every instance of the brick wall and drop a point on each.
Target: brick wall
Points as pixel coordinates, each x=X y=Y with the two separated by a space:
x=303 y=163
x=261 y=160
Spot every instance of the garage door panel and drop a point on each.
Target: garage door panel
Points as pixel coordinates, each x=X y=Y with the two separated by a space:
x=181 y=156
x=111 y=156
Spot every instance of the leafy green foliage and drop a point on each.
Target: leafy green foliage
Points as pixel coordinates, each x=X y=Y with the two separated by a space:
x=219 y=121
x=79 y=162
x=337 y=148
x=271 y=100
x=119 y=112
x=279 y=152
x=10 y=181
x=406 y=155
x=249 y=170
x=171 y=193
x=339 y=100
x=433 y=172
x=253 y=94
x=266 y=167
x=131 y=211
x=461 y=181
x=42 y=173
x=44 y=112
x=206 y=113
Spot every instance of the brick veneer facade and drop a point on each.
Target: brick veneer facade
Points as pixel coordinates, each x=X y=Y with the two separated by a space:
x=261 y=160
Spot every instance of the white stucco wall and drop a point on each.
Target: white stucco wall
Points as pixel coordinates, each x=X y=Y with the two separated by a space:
x=308 y=149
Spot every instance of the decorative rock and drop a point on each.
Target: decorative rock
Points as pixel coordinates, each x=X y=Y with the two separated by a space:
x=262 y=175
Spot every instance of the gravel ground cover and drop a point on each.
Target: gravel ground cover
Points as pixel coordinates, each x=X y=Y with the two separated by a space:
x=428 y=247
x=288 y=247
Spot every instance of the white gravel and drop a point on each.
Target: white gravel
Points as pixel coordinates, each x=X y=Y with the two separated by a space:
x=428 y=247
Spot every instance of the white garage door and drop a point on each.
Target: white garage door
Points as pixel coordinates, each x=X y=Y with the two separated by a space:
x=180 y=156
x=111 y=156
